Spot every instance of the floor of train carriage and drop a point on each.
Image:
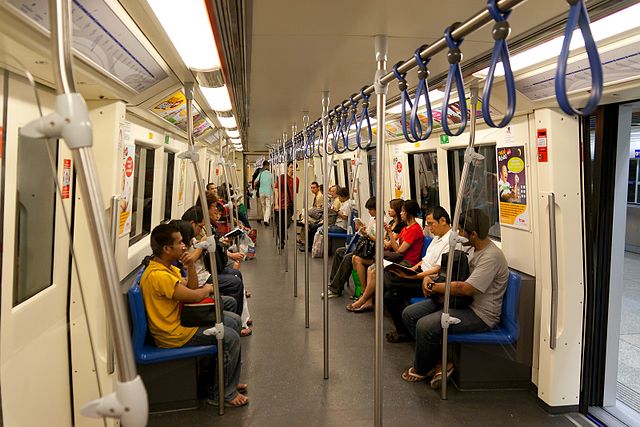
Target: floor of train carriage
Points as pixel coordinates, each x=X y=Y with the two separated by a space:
x=283 y=365
x=628 y=383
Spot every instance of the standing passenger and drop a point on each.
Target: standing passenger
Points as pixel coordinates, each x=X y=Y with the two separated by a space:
x=264 y=184
x=282 y=191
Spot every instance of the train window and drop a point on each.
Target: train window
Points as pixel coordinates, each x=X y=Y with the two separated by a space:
x=142 y=194
x=35 y=219
x=423 y=168
x=169 y=161
x=371 y=166
x=346 y=164
x=482 y=193
x=634 y=182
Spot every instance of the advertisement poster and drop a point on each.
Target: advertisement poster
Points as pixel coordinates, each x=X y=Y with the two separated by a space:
x=512 y=187
x=183 y=178
x=397 y=172
x=128 y=150
x=173 y=109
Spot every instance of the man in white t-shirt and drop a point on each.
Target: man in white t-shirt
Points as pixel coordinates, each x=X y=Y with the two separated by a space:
x=401 y=287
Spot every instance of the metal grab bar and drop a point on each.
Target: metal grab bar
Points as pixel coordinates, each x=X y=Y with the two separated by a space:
x=553 y=255
x=115 y=227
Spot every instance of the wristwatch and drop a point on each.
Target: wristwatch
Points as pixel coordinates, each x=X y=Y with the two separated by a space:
x=430 y=286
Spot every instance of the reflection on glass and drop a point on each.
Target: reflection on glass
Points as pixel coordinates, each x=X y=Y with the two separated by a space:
x=142 y=194
x=35 y=218
x=481 y=189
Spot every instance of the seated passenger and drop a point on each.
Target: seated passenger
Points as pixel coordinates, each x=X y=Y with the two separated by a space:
x=400 y=287
x=360 y=265
x=346 y=205
x=486 y=284
x=342 y=264
x=333 y=208
x=409 y=244
x=229 y=279
x=163 y=289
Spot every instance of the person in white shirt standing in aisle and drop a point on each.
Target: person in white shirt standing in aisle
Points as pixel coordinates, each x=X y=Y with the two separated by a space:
x=264 y=184
x=401 y=287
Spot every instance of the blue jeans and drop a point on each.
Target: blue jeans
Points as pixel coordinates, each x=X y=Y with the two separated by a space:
x=230 y=284
x=423 y=322
x=231 y=353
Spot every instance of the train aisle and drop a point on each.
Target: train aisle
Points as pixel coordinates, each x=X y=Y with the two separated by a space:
x=283 y=365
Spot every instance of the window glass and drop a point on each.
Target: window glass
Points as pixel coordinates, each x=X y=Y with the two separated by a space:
x=371 y=166
x=346 y=164
x=169 y=160
x=35 y=219
x=423 y=169
x=482 y=191
x=142 y=194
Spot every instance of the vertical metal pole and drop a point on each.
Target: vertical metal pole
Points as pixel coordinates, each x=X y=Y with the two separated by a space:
x=188 y=90
x=279 y=185
x=456 y=220
x=236 y=183
x=325 y=237
x=305 y=125
x=381 y=101
x=285 y=188
x=226 y=179
x=84 y=161
x=115 y=226
x=294 y=130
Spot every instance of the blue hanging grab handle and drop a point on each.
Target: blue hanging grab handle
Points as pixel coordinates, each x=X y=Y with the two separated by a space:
x=404 y=100
x=320 y=137
x=578 y=15
x=454 y=56
x=500 y=32
x=422 y=90
x=329 y=133
x=308 y=148
x=353 y=120
x=364 y=116
x=339 y=133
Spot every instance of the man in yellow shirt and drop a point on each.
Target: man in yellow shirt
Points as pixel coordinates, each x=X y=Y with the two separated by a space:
x=164 y=288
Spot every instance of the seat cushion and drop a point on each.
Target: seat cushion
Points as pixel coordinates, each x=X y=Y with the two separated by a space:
x=151 y=354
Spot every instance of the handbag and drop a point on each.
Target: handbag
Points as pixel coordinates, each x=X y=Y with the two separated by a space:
x=365 y=248
x=459 y=273
x=201 y=313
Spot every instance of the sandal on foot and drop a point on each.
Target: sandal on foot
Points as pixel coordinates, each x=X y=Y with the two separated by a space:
x=249 y=322
x=237 y=402
x=411 y=376
x=436 y=381
x=242 y=388
x=247 y=293
x=245 y=332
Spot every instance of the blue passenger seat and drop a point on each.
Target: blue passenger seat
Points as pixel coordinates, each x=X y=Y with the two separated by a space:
x=143 y=347
x=508 y=329
x=346 y=237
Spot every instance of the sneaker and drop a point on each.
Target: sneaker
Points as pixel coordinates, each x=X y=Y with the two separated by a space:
x=331 y=294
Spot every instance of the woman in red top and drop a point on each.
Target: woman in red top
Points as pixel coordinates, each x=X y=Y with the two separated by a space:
x=284 y=193
x=408 y=243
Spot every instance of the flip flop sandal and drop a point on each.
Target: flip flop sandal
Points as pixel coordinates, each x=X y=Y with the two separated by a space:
x=436 y=381
x=245 y=332
x=242 y=389
x=410 y=376
x=214 y=402
x=249 y=322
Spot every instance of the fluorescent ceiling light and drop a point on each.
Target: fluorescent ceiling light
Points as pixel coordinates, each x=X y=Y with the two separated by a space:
x=217 y=97
x=609 y=26
x=233 y=133
x=193 y=41
x=228 y=122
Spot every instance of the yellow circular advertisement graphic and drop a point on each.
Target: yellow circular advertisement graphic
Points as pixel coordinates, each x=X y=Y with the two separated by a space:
x=515 y=165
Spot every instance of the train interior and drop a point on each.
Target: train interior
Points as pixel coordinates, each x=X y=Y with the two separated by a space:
x=182 y=94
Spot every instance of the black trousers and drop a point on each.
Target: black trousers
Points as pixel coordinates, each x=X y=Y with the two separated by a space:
x=340 y=270
x=397 y=293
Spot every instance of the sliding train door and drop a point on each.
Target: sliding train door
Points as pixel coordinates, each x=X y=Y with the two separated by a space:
x=611 y=368
x=34 y=341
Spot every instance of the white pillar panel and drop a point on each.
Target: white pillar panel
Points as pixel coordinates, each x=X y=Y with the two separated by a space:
x=559 y=368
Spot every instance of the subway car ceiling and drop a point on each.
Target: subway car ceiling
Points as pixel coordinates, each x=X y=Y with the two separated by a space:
x=295 y=50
